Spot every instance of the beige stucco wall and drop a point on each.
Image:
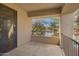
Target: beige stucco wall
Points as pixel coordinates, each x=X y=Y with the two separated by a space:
x=67 y=18
x=23 y=25
x=49 y=40
x=67 y=24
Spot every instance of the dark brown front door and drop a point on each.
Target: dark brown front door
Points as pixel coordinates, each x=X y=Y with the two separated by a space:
x=8 y=29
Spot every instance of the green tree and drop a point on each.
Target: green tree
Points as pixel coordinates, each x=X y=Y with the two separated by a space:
x=39 y=28
x=53 y=27
x=77 y=26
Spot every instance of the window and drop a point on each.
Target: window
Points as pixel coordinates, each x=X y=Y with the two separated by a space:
x=48 y=26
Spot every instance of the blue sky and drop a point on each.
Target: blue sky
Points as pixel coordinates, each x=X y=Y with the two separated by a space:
x=47 y=20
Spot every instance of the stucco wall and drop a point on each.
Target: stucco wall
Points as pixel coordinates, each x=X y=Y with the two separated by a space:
x=23 y=25
x=67 y=24
x=67 y=18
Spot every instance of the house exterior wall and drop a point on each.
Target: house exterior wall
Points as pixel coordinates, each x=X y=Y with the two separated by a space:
x=67 y=24
x=67 y=18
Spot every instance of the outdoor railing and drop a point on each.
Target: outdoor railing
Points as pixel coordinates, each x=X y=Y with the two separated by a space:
x=70 y=46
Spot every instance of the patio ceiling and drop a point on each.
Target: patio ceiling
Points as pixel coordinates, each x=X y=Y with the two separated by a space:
x=39 y=6
x=39 y=9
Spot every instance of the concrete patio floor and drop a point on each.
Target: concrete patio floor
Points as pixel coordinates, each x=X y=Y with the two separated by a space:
x=36 y=49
